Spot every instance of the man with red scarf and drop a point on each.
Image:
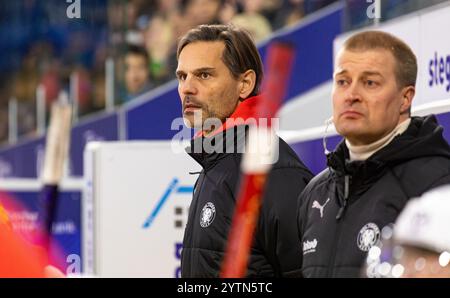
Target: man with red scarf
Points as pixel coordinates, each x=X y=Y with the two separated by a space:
x=219 y=73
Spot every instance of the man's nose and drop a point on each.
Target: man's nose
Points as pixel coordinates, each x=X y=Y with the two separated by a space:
x=352 y=93
x=188 y=86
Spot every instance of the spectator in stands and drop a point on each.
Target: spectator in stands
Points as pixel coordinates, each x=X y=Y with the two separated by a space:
x=160 y=45
x=24 y=91
x=84 y=89
x=3 y=123
x=50 y=80
x=202 y=11
x=98 y=101
x=171 y=11
x=252 y=20
x=27 y=78
x=5 y=95
x=137 y=79
x=270 y=9
x=228 y=10
x=387 y=156
x=290 y=13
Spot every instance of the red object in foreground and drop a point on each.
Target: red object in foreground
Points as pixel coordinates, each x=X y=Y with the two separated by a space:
x=279 y=62
x=244 y=223
x=21 y=252
x=18 y=258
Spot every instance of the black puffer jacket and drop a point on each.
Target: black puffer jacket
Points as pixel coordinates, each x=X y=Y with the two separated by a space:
x=343 y=209
x=276 y=248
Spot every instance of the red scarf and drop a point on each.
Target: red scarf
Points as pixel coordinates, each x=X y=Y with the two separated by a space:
x=245 y=110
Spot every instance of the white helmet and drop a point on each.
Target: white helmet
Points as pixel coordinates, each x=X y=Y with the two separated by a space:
x=425 y=222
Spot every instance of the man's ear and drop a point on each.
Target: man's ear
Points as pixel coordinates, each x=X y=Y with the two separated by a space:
x=407 y=97
x=247 y=83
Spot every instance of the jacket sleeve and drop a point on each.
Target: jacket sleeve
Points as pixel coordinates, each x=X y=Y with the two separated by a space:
x=278 y=233
x=441 y=181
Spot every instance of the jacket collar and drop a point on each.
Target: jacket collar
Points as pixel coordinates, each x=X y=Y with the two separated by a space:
x=207 y=150
x=422 y=138
x=245 y=110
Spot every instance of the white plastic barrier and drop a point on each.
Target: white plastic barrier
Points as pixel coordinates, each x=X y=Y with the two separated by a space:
x=136 y=198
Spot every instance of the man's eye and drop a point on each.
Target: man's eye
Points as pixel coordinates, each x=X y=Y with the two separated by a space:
x=204 y=75
x=181 y=77
x=341 y=82
x=371 y=83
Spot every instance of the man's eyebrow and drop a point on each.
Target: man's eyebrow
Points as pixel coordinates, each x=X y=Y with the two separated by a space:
x=364 y=73
x=341 y=72
x=179 y=72
x=198 y=70
x=203 y=69
x=372 y=73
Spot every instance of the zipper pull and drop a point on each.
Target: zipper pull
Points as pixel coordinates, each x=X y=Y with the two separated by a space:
x=346 y=193
x=341 y=210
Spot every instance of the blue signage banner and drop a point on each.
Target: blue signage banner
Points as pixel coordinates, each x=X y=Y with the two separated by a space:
x=24 y=160
x=104 y=128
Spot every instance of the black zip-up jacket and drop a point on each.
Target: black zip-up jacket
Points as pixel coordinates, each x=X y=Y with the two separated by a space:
x=344 y=209
x=276 y=247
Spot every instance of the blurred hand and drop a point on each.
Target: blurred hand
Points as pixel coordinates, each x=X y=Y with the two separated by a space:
x=53 y=272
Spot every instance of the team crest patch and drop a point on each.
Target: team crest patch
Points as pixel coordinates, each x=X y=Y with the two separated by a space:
x=368 y=236
x=207 y=215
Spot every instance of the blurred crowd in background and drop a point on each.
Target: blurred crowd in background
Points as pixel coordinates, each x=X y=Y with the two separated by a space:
x=41 y=46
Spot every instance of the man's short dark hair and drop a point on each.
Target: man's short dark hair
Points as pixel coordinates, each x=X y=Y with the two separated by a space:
x=406 y=62
x=137 y=51
x=240 y=53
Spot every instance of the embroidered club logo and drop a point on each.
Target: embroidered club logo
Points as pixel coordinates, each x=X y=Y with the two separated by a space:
x=207 y=215
x=309 y=246
x=320 y=207
x=368 y=236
